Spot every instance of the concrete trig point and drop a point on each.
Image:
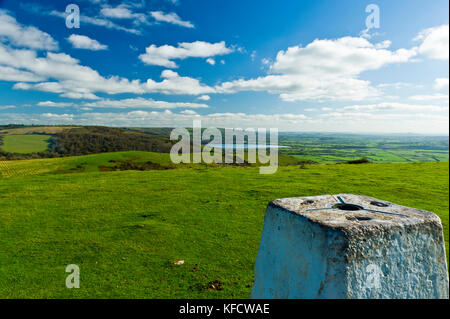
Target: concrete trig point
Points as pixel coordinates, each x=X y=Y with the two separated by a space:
x=349 y=246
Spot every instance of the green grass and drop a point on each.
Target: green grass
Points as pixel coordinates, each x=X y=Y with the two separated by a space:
x=24 y=143
x=332 y=148
x=125 y=229
x=92 y=163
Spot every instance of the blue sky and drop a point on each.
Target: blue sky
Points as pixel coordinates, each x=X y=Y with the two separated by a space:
x=295 y=65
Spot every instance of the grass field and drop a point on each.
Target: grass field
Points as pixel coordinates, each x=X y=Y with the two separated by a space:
x=126 y=228
x=25 y=143
x=93 y=163
x=332 y=148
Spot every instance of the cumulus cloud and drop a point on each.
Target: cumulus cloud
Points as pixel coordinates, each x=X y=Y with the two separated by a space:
x=434 y=42
x=347 y=56
x=54 y=104
x=323 y=70
x=124 y=12
x=71 y=76
x=11 y=74
x=211 y=61
x=204 y=98
x=143 y=103
x=119 y=12
x=173 y=83
x=171 y=18
x=163 y=55
x=77 y=81
x=84 y=42
x=24 y=36
x=78 y=95
x=441 y=83
x=97 y=21
x=60 y=73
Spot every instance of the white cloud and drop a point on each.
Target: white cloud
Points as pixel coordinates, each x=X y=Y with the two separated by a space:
x=164 y=54
x=188 y=112
x=434 y=42
x=383 y=45
x=84 y=42
x=441 y=83
x=323 y=70
x=123 y=11
x=175 y=84
x=346 y=56
x=70 y=79
x=79 y=95
x=119 y=12
x=143 y=103
x=54 y=104
x=204 y=98
x=24 y=36
x=211 y=61
x=97 y=21
x=172 y=18
x=11 y=74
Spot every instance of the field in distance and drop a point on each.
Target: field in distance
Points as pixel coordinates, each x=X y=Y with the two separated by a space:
x=125 y=229
x=316 y=147
x=333 y=148
x=25 y=143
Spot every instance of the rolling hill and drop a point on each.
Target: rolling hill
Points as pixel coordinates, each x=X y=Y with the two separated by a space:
x=125 y=229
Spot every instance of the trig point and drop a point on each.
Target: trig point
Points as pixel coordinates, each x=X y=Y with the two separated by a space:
x=349 y=246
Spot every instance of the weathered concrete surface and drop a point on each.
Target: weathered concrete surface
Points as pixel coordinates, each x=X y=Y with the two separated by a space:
x=309 y=249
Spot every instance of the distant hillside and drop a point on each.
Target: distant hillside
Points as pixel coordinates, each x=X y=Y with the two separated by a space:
x=162 y=131
x=71 y=141
x=90 y=140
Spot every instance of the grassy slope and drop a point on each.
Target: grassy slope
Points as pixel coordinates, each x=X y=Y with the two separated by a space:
x=124 y=229
x=91 y=163
x=25 y=144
